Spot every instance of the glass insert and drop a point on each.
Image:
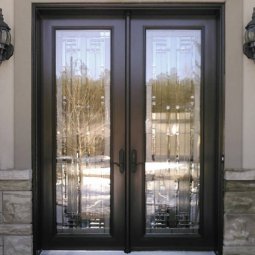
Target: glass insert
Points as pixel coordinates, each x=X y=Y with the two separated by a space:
x=172 y=169
x=83 y=131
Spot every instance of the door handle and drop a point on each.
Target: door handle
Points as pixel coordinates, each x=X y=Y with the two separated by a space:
x=133 y=161
x=121 y=163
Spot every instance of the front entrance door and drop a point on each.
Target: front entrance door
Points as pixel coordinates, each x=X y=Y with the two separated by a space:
x=127 y=126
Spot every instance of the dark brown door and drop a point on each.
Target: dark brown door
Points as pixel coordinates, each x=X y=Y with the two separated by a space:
x=127 y=126
x=173 y=139
x=82 y=128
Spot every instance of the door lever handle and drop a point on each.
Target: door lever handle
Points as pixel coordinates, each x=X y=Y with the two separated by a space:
x=121 y=163
x=133 y=161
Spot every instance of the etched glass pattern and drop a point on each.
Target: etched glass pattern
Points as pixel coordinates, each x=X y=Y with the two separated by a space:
x=172 y=169
x=83 y=131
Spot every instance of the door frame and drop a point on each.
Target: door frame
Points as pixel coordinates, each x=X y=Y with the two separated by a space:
x=39 y=10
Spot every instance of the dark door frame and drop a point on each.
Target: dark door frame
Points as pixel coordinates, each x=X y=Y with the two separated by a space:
x=40 y=11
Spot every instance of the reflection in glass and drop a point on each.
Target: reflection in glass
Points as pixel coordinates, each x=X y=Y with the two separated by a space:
x=83 y=131
x=173 y=70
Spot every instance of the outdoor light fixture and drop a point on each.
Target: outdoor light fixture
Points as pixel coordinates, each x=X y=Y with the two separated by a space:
x=249 y=38
x=6 y=48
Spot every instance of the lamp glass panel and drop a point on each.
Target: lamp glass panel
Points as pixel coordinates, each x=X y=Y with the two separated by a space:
x=3 y=36
x=250 y=35
x=8 y=38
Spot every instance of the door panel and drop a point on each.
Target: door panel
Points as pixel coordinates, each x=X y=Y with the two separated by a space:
x=172 y=188
x=83 y=196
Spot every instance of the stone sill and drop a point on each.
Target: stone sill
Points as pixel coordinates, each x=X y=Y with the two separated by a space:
x=240 y=174
x=13 y=174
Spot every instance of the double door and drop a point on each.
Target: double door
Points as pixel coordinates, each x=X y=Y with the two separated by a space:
x=128 y=131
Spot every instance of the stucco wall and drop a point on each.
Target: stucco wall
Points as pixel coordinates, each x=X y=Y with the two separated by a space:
x=7 y=97
x=248 y=98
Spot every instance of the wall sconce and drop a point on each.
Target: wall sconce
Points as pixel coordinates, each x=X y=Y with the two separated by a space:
x=6 y=48
x=249 y=38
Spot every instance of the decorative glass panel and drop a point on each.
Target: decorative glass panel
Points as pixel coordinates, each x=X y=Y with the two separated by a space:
x=83 y=131
x=173 y=71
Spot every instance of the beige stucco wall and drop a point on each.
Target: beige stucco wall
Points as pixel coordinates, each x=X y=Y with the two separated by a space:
x=248 y=99
x=233 y=83
x=7 y=96
x=16 y=86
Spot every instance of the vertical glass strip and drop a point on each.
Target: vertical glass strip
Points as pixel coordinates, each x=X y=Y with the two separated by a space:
x=83 y=131
x=173 y=71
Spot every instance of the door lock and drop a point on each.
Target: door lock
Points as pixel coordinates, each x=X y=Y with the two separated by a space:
x=121 y=163
x=133 y=161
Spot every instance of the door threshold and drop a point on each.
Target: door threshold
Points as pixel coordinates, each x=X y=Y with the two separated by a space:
x=123 y=253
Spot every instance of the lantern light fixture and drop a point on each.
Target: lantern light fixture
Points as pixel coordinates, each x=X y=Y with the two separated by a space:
x=6 y=48
x=249 y=38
